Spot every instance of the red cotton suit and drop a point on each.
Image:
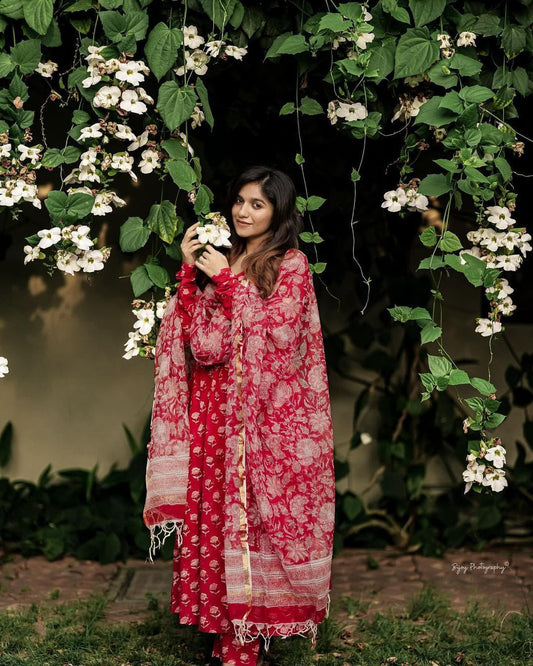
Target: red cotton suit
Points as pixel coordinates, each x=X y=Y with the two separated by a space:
x=241 y=457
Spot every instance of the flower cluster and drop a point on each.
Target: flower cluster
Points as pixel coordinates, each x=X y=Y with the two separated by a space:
x=17 y=172
x=405 y=196
x=409 y=106
x=148 y=316
x=4 y=368
x=73 y=250
x=214 y=230
x=478 y=471
x=346 y=111
x=446 y=44
x=46 y=69
x=502 y=247
x=359 y=36
x=198 y=53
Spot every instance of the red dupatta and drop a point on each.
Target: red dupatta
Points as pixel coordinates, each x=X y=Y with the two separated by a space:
x=279 y=445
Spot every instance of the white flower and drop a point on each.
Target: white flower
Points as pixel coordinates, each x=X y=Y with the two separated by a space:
x=88 y=173
x=522 y=244
x=213 y=48
x=409 y=107
x=92 y=132
x=145 y=320
x=367 y=16
x=207 y=233
x=197 y=61
x=112 y=65
x=495 y=478
x=476 y=236
x=140 y=141
x=91 y=261
x=125 y=132
x=144 y=96
x=6 y=197
x=445 y=40
x=496 y=454
x=89 y=157
x=80 y=237
x=235 y=51
x=492 y=240
x=101 y=206
x=509 y=239
x=499 y=216
x=486 y=327
x=416 y=201
x=509 y=262
x=354 y=111
x=149 y=161
x=363 y=39
x=5 y=150
x=92 y=80
x=197 y=117
x=466 y=39
x=394 y=200
x=473 y=473
x=506 y=306
x=131 y=347
x=131 y=72
x=107 y=97
x=502 y=287
x=160 y=308
x=4 y=368
x=46 y=69
x=112 y=197
x=191 y=38
x=32 y=253
x=49 y=237
x=123 y=162
x=365 y=438
x=67 y=262
x=31 y=153
x=130 y=102
x=332 y=111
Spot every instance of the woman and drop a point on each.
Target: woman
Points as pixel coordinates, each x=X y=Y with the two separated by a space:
x=241 y=457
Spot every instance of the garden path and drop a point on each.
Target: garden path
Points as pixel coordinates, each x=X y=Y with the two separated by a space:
x=364 y=581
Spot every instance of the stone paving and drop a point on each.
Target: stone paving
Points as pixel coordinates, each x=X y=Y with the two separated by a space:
x=364 y=581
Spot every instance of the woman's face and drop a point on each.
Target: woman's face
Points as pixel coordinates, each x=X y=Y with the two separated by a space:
x=252 y=214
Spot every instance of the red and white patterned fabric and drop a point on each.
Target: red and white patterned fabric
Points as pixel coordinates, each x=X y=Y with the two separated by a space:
x=242 y=453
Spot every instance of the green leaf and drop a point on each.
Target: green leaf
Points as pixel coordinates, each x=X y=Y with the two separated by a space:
x=175 y=148
x=430 y=332
x=465 y=65
x=69 y=208
x=382 y=58
x=253 y=21
x=425 y=11
x=448 y=165
x=439 y=366
x=428 y=237
x=163 y=221
x=333 y=22
x=52 y=158
x=399 y=13
x=161 y=48
x=483 y=386
x=204 y=99
x=158 y=275
x=204 y=198
x=504 y=168
x=459 y=377
x=6 y=64
x=133 y=234
x=351 y=505
x=441 y=75
x=38 y=14
x=175 y=104
x=79 y=6
x=400 y=313
x=310 y=107
x=449 y=242
x=287 y=44
x=318 y=268
x=452 y=102
x=220 y=11
x=114 y=25
x=520 y=80
x=495 y=420
x=314 y=202
x=80 y=117
x=13 y=9
x=435 y=185
x=513 y=40
x=431 y=263
x=415 y=52
x=182 y=174
x=70 y=154
x=140 y=281
x=475 y=93
x=432 y=114
x=487 y=25
x=26 y=55
x=287 y=109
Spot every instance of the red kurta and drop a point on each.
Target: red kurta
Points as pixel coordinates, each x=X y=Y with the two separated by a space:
x=241 y=457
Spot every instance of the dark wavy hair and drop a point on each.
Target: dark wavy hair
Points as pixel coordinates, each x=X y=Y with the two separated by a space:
x=262 y=266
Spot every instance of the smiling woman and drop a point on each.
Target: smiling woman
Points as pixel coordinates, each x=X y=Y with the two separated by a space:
x=241 y=457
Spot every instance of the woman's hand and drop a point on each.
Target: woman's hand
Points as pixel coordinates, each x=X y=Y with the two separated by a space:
x=190 y=245
x=211 y=261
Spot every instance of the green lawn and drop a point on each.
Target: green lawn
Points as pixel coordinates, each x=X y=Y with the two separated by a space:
x=427 y=633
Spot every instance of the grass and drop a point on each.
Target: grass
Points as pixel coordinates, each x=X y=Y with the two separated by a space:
x=428 y=633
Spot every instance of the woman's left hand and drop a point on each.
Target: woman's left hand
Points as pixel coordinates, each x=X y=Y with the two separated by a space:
x=211 y=261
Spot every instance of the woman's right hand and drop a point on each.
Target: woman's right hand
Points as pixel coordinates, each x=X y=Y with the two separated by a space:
x=190 y=245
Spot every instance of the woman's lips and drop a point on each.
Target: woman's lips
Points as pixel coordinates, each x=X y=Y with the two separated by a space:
x=247 y=224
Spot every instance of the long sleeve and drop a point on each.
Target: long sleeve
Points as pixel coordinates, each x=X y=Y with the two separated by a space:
x=187 y=297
